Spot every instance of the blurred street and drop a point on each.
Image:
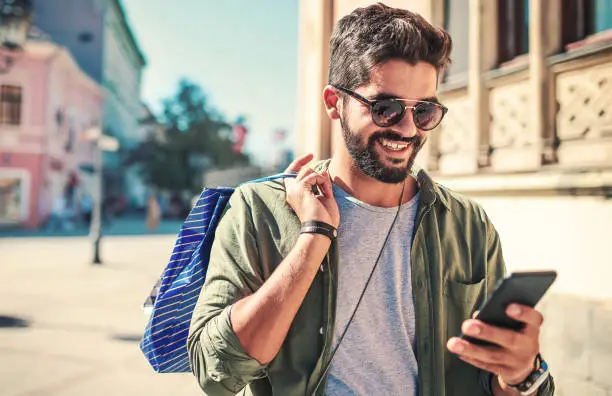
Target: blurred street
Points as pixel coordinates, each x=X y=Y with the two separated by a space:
x=76 y=327
x=121 y=226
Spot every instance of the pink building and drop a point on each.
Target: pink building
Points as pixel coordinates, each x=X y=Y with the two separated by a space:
x=46 y=103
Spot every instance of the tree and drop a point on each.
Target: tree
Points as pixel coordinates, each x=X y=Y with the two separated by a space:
x=196 y=137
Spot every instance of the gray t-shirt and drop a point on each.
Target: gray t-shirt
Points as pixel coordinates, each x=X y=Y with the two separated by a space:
x=377 y=355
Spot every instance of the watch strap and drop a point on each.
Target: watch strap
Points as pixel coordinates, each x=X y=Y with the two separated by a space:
x=535 y=379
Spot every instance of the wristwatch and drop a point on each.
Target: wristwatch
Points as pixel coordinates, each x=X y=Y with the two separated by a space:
x=535 y=378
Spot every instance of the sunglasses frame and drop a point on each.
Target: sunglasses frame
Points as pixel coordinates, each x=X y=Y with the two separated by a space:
x=372 y=103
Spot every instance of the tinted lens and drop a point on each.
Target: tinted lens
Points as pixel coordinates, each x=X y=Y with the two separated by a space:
x=387 y=112
x=427 y=116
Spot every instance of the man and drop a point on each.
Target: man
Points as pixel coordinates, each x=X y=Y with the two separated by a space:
x=356 y=277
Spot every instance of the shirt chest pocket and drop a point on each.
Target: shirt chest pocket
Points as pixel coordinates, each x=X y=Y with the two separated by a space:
x=460 y=302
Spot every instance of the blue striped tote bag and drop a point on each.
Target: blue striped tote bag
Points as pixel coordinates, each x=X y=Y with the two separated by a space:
x=174 y=296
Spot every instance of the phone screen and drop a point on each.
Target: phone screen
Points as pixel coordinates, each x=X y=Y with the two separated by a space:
x=525 y=288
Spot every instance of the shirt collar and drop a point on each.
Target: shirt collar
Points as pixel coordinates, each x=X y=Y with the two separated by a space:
x=430 y=191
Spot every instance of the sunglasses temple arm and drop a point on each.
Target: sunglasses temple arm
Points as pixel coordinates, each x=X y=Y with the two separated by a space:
x=354 y=95
x=362 y=99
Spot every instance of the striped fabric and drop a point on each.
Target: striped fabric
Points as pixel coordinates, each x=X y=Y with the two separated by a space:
x=175 y=294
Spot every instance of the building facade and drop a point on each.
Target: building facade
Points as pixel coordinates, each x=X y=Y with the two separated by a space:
x=529 y=136
x=46 y=104
x=99 y=35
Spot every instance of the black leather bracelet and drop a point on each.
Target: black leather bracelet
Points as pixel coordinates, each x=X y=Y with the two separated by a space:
x=319 y=227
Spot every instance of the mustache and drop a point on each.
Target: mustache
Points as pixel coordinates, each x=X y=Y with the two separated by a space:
x=394 y=136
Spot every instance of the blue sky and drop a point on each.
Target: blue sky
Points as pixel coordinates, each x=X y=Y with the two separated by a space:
x=242 y=53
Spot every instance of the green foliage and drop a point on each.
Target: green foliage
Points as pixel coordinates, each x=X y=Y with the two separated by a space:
x=196 y=138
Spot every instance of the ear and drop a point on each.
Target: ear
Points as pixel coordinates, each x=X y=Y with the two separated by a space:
x=331 y=100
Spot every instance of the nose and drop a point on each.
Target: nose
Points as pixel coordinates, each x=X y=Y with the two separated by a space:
x=406 y=125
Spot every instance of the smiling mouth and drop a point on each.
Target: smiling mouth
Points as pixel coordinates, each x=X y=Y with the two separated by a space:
x=393 y=146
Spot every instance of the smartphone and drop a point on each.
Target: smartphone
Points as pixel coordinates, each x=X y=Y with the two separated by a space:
x=525 y=288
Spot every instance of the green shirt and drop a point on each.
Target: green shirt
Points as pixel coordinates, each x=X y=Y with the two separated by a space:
x=456 y=260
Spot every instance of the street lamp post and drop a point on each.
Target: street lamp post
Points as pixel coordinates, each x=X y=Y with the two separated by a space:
x=102 y=143
x=95 y=231
x=15 y=21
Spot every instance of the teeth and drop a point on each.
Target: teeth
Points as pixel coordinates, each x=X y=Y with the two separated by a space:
x=392 y=145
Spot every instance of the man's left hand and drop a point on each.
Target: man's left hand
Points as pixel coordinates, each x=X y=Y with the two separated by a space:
x=514 y=359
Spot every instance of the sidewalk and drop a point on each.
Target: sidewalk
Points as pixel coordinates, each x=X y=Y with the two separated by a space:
x=128 y=225
x=82 y=322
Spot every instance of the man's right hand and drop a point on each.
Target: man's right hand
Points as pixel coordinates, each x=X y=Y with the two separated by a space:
x=261 y=320
x=307 y=205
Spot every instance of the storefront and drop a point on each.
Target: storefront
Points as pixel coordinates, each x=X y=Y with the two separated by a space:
x=14 y=196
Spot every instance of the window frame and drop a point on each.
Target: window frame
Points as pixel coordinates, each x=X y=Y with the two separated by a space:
x=11 y=105
x=455 y=79
x=513 y=30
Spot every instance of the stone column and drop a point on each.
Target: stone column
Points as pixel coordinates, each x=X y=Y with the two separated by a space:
x=314 y=126
x=538 y=120
x=482 y=58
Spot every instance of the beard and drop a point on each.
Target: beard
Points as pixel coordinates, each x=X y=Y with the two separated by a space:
x=368 y=160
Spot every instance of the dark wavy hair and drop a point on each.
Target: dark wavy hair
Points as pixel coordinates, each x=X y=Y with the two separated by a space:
x=372 y=35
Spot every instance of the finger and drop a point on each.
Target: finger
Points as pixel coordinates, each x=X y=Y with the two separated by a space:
x=298 y=163
x=326 y=187
x=497 y=335
x=304 y=173
x=496 y=369
x=486 y=354
x=525 y=314
x=313 y=179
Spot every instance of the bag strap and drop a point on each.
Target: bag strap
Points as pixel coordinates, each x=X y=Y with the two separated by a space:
x=273 y=177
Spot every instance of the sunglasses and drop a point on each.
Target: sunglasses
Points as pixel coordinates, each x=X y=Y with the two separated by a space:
x=388 y=112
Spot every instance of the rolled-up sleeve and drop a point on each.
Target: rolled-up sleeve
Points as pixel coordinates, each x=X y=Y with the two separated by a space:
x=220 y=363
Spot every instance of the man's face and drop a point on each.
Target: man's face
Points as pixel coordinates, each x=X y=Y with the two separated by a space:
x=387 y=154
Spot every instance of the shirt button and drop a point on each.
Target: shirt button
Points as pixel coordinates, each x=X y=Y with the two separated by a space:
x=321 y=330
x=322 y=268
x=420 y=283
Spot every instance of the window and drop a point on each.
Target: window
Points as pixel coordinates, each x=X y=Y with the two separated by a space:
x=583 y=18
x=10 y=105
x=603 y=15
x=513 y=35
x=456 y=23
